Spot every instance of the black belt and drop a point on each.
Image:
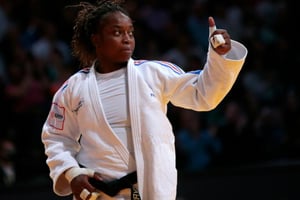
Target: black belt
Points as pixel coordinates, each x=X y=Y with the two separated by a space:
x=113 y=187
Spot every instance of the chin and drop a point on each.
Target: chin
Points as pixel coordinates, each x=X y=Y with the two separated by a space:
x=122 y=63
x=125 y=58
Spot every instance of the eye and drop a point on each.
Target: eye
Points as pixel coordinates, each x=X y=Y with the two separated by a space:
x=117 y=32
x=130 y=33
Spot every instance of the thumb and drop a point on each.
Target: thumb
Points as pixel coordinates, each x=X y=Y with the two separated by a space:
x=212 y=25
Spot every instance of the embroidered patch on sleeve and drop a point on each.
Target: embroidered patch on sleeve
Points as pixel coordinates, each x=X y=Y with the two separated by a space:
x=57 y=117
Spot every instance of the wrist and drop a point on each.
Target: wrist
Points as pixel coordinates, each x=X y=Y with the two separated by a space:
x=73 y=172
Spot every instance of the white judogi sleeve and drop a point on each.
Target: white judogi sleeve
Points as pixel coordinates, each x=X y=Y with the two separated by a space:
x=212 y=84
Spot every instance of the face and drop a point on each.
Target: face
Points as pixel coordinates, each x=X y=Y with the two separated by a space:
x=114 y=41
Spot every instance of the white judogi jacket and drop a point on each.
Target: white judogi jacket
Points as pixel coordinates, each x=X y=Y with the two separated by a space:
x=76 y=130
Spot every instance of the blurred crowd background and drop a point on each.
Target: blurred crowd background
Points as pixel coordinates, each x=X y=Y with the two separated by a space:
x=258 y=122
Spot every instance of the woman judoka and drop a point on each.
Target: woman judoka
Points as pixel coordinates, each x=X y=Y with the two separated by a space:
x=107 y=135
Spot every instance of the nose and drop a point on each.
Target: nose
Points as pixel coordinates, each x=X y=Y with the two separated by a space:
x=127 y=37
x=126 y=40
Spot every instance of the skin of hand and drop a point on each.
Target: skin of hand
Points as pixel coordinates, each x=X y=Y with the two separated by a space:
x=224 y=48
x=82 y=182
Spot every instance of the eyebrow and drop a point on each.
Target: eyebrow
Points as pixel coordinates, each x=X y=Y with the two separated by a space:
x=120 y=26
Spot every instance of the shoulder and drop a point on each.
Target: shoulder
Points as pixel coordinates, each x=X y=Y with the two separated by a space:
x=80 y=75
x=158 y=65
x=75 y=80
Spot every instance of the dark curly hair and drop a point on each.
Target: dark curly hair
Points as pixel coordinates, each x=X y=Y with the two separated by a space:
x=87 y=23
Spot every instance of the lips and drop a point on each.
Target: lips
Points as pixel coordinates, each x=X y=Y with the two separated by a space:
x=126 y=50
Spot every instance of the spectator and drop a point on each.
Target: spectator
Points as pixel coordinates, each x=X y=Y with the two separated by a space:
x=196 y=142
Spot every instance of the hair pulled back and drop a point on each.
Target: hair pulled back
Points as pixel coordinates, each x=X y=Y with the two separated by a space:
x=87 y=23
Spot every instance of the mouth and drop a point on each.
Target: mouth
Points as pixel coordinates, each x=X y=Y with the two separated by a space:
x=128 y=50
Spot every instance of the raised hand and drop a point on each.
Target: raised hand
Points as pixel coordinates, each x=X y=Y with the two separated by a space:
x=219 y=38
